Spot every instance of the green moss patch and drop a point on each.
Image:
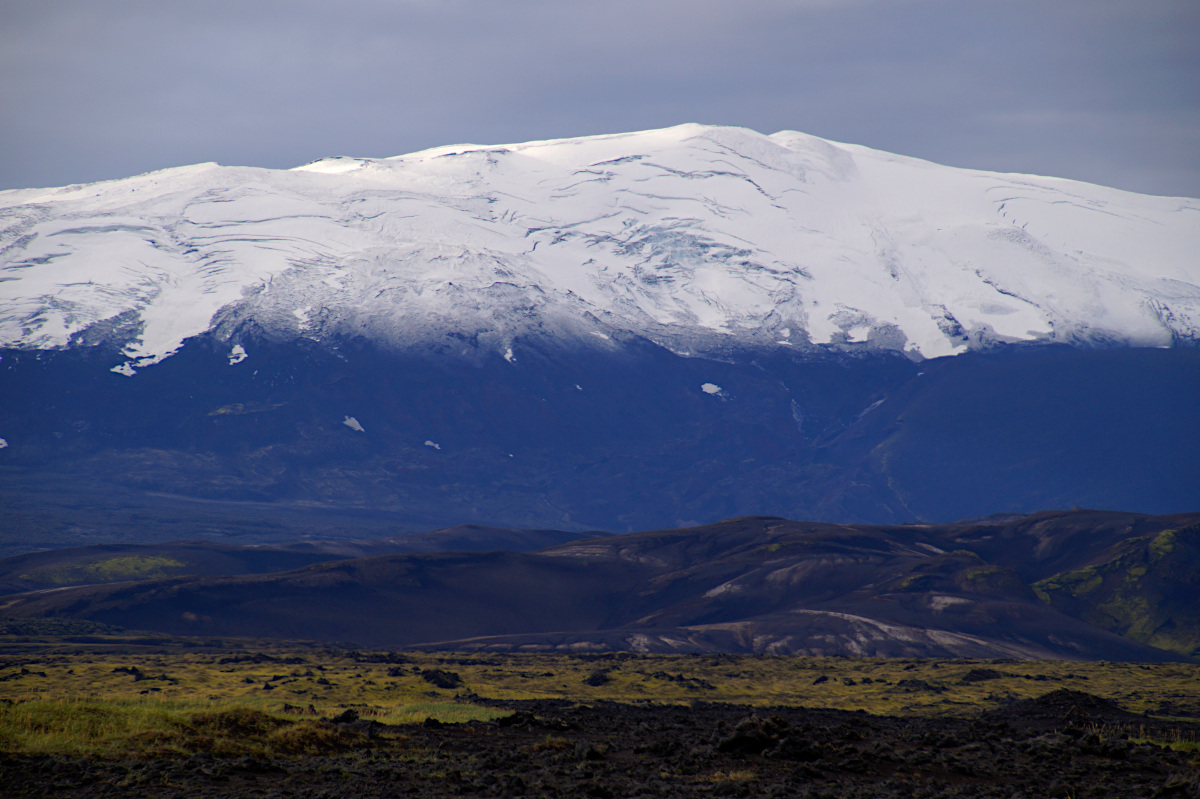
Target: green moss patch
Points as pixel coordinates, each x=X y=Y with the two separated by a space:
x=109 y=570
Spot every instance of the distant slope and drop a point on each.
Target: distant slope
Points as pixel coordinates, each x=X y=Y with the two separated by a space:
x=108 y=563
x=763 y=585
x=60 y=568
x=1041 y=428
x=575 y=440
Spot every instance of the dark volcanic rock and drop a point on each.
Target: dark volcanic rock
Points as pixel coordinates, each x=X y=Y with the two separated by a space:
x=1065 y=707
x=982 y=675
x=552 y=749
x=441 y=678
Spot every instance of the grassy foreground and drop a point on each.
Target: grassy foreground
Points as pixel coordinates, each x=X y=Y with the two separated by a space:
x=105 y=696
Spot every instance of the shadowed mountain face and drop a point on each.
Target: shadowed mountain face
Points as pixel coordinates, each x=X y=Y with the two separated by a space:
x=351 y=441
x=765 y=585
x=109 y=563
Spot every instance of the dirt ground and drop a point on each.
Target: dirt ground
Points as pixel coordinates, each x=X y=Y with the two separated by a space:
x=1065 y=744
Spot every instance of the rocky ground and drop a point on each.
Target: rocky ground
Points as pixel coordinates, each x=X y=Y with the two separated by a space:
x=1065 y=744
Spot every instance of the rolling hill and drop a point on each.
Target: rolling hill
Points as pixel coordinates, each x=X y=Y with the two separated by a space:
x=994 y=587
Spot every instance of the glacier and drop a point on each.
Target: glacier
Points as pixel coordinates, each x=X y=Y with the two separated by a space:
x=697 y=238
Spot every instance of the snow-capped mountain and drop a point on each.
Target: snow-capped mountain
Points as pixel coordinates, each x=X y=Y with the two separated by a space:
x=696 y=238
x=617 y=332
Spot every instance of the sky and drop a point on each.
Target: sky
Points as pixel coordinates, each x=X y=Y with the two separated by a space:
x=1104 y=91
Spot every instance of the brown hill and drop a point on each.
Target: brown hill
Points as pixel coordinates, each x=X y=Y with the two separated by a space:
x=759 y=584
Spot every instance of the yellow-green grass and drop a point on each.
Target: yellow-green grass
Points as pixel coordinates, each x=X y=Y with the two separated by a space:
x=127 y=727
x=445 y=712
x=125 y=567
x=81 y=726
x=331 y=680
x=117 y=689
x=145 y=727
x=1174 y=742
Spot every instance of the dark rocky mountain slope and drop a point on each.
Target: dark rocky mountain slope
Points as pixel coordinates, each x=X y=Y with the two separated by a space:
x=108 y=563
x=987 y=588
x=577 y=440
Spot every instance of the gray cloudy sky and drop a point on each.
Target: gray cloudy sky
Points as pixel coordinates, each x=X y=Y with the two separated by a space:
x=1101 y=90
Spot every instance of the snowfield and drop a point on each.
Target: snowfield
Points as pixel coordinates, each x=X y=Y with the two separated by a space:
x=698 y=238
